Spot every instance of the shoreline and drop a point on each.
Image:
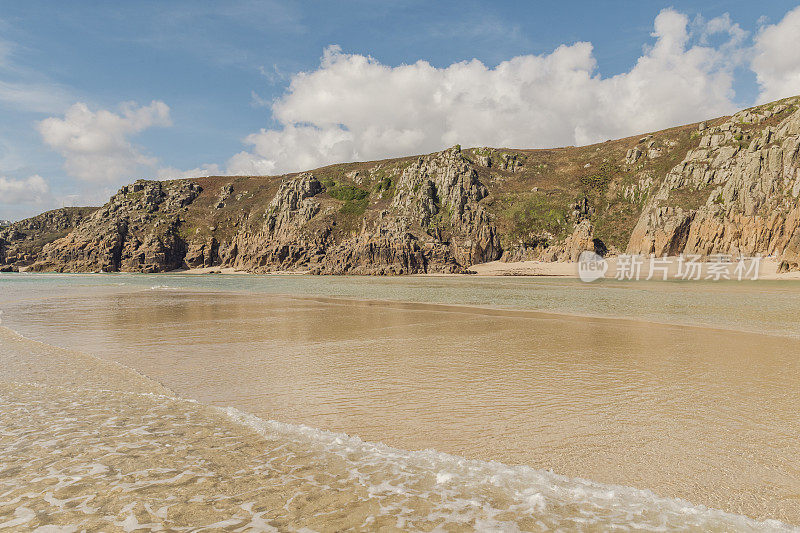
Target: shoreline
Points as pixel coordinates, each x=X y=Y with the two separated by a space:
x=531 y=269
x=768 y=270
x=501 y=315
x=254 y=437
x=660 y=500
x=467 y=308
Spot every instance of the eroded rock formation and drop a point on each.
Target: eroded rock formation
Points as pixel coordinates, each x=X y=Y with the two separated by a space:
x=727 y=186
x=138 y=230
x=21 y=242
x=737 y=193
x=432 y=222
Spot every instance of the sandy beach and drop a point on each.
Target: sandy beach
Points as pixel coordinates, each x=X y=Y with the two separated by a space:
x=444 y=267
x=489 y=391
x=768 y=269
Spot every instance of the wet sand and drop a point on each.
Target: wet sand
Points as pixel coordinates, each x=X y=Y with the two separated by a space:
x=84 y=457
x=702 y=414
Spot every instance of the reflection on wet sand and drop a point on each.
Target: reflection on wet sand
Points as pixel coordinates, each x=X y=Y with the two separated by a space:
x=701 y=414
x=88 y=459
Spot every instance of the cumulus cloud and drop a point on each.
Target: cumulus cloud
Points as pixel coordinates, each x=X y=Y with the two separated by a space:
x=776 y=60
x=95 y=144
x=353 y=107
x=31 y=190
x=203 y=170
x=294 y=148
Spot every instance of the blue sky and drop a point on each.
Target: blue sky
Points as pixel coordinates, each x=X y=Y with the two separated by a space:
x=188 y=88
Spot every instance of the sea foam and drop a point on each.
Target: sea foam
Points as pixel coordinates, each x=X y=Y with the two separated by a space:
x=494 y=496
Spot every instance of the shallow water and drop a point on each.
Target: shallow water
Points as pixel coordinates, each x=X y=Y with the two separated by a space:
x=703 y=414
x=761 y=306
x=103 y=460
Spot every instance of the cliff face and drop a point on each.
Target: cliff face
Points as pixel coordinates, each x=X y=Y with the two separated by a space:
x=21 y=243
x=434 y=223
x=421 y=215
x=729 y=186
x=136 y=231
x=736 y=193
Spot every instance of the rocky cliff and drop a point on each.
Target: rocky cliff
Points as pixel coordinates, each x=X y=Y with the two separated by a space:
x=21 y=243
x=410 y=216
x=726 y=186
x=735 y=194
x=422 y=215
x=138 y=230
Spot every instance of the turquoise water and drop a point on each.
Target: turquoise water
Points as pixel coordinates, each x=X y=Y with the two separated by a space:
x=770 y=307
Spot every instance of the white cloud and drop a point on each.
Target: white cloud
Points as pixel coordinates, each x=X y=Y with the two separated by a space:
x=256 y=100
x=95 y=145
x=203 y=170
x=25 y=89
x=38 y=97
x=304 y=146
x=353 y=107
x=722 y=24
x=274 y=75
x=777 y=58
x=31 y=190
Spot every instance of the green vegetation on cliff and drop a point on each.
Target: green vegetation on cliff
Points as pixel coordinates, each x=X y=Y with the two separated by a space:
x=440 y=211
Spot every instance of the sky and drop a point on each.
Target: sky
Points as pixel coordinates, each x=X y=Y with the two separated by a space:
x=94 y=95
